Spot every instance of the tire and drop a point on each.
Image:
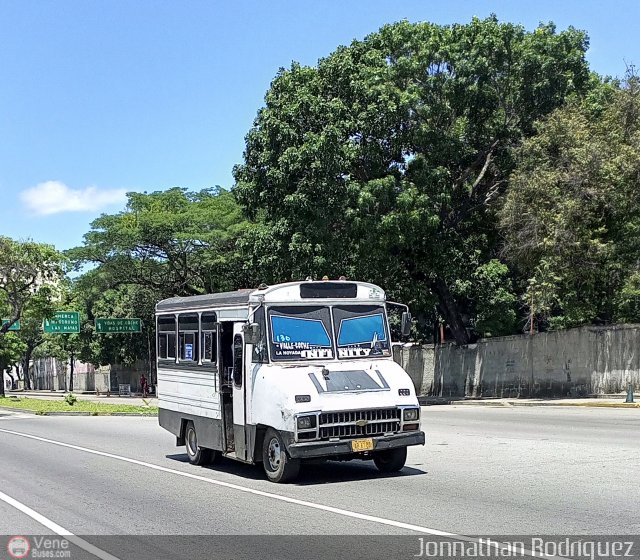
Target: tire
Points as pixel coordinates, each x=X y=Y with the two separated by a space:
x=278 y=466
x=197 y=455
x=391 y=460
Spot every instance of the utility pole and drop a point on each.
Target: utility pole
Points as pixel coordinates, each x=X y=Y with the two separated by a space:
x=532 y=314
x=71 y=373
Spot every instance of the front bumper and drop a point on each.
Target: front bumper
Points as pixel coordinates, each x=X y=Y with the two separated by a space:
x=315 y=449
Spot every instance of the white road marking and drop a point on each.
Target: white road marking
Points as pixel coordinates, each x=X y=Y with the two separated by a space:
x=338 y=511
x=57 y=529
x=6 y=414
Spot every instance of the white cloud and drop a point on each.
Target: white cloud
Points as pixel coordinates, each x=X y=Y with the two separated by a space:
x=54 y=197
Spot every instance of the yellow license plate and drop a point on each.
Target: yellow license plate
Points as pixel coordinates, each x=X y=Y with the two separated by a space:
x=362 y=444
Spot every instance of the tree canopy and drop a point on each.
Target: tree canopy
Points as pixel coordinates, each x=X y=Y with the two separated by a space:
x=174 y=242
x=163 y=244
x=29 y=273
x=571 y=218
x=386 y=160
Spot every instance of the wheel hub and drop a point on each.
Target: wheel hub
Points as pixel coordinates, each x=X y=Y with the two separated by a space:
x=274 y=454
x=192 y=442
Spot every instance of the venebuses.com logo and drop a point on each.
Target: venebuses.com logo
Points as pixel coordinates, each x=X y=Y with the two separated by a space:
x=18 y=547
x=44 y=546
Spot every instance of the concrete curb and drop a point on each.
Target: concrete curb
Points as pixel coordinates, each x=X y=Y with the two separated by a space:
x=79 y=413
x=587 y=403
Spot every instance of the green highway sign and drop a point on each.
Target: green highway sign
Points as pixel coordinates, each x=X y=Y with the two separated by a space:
x=14 y=327
x=63 y=322
x=118 y=325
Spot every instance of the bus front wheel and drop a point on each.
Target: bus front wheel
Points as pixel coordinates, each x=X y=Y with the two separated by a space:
x=278 y=466
x=391 y=460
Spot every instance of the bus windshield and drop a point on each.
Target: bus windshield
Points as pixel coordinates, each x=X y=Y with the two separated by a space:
x=300 y=333
x=361 y=331
x=306 y=332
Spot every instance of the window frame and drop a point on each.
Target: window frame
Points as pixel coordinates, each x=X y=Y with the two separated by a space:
x=195 y=336
x=238 y=372
x=168 y=336
x=182 y=337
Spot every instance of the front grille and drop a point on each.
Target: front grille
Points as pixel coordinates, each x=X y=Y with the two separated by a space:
x=343 y=424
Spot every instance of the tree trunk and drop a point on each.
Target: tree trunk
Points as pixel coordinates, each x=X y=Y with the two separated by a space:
x=447 y=305
x=25 y=369
x=71 y=375
x=449 y=309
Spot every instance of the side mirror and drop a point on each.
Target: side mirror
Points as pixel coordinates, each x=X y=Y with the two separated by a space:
x=251 y=333
x=405 y=326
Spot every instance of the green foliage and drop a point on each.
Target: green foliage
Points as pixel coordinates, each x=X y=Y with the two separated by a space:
x=97 y=297
x=628 y=299
x=11 y=349
x=385 y=161
x=29 y=273
x=70 y=399
x=172 y=242
x=163 y=244
x=495 y=302
x=572 y=214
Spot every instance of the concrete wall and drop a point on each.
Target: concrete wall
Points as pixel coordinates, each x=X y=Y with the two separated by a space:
x=575 y=362
x=6 y=381
x=128 y=375
x=49 y=374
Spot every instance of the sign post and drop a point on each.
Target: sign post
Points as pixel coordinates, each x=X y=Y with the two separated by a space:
x=14 y=327
x=63 y=322
x=114 y=325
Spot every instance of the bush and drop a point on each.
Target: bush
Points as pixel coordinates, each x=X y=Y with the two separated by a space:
x=70 y=399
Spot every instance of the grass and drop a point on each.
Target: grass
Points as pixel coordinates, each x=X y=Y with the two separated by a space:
x=42 y=406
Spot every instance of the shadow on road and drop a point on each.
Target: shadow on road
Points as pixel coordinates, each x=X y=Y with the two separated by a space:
x=311 y=473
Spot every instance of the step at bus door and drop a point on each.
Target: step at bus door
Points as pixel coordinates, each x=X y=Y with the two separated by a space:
x=239 y=394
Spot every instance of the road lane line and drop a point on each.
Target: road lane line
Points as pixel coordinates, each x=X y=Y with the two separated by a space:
x=338 y=511
x=245 y=489
x=57 y=529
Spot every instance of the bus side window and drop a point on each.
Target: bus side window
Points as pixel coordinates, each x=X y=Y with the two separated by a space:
x=167 y=337
x=238 y=349
x=209 y=338
x=259 y=354
x=188 y=337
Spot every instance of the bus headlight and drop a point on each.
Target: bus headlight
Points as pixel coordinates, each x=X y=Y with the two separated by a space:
x=306 y=422
x=411 y=414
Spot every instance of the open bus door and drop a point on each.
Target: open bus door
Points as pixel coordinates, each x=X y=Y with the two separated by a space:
x=239 y=393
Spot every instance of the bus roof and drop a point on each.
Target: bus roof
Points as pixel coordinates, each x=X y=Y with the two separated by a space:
x=205 y=301
x=287 y=292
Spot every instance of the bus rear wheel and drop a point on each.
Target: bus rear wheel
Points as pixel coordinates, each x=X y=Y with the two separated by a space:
x=197 y=455
x=278 y=466
x=391 y=460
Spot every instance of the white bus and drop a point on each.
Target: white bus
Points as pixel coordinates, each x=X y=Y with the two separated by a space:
x=284 y=373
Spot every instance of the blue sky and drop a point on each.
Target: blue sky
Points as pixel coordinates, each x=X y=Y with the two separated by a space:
x=103 y=97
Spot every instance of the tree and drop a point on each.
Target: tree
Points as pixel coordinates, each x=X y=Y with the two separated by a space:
x=11 y=348
x=174 y=242
x=92 y=293
x=29 y=272
x=32 y=336
x=163 y=244
x=386 y=160
x=571 y=218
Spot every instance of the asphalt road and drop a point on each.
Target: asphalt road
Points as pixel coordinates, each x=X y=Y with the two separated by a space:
x=484 y=471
